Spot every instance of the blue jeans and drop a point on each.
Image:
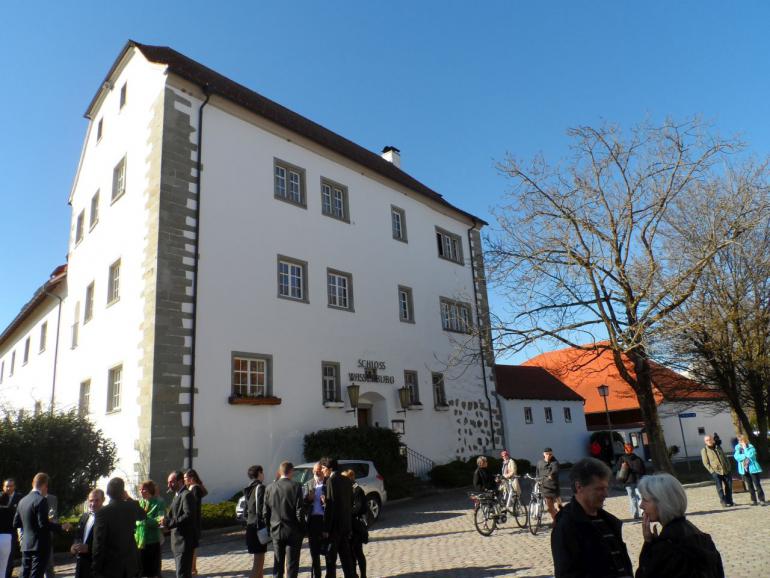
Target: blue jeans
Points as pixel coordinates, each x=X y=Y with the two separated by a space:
x=724 y=485
x=633 y=500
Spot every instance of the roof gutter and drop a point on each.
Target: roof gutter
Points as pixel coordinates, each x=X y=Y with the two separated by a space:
x=481 y=347
x=56 y=348
x=198 y=168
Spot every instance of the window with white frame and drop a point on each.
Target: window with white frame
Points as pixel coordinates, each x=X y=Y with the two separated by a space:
x=84 y=401
x=43 y=336
x=548 y=415
x=398 y=223
x=251 y=375
x=528 y=415
x=289 y=183
x=94 y=217
x=25 y=359
x=2 y=371
x=405 y=304
x=292 y=278
x=455 y=316
x=38 y=408
x=334 y=200
x=449 y=246
x=76 y=325
x=79 y=224
x=123 y=95
x=13 y=364
x=567 y=415
x=119 y=179
x=410 y=381
x=89 y=309
x=339 y=287
x=99 y=129
x=330 y=377
x=114 y=381
x=113 y=283
x=439 y=393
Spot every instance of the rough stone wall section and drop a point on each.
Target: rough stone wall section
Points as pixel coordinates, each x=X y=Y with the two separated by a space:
x=142 y=445
x=173 y=319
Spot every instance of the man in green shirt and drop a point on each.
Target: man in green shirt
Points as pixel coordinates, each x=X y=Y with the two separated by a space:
x=717 y=464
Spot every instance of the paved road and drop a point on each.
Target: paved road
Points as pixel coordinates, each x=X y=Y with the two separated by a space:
x=434 y=538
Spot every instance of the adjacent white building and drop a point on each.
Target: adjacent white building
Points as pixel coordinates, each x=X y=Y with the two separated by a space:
x=215 y=321
x=539 y=411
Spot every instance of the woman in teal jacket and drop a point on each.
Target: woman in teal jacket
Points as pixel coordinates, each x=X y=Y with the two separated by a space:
x=748 y=467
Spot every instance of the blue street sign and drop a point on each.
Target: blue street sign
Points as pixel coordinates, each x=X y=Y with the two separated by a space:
x=692 y=414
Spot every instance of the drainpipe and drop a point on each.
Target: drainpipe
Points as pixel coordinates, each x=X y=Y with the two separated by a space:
x=198 y=165
x=56 y=348
x=481 y=346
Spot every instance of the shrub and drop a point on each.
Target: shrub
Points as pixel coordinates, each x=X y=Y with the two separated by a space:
x=455 y=474
x=66 y=446
x=379 y=445
x=218 y=515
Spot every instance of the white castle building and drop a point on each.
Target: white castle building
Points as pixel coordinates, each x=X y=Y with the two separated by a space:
x=215 y=321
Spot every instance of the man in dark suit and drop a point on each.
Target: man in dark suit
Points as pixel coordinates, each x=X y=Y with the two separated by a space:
x=338 y=520
x=284 y=511
x=84 y=535
x=114 y=553
x=32 y=519
x=181 y=520
x=10 y=499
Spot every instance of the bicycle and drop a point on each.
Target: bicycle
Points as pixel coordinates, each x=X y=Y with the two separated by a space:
x=487 y=512
x=536 y=505
x=511 y=502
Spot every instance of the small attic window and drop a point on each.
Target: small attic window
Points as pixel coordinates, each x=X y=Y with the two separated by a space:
x=123 y=92
x=99 y=129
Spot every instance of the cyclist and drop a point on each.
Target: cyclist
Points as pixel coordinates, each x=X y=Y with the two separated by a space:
x=548 y=471
x=509 y=483
x=483 y=481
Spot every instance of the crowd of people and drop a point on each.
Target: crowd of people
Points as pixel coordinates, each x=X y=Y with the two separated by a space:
x=330 y=508
x=123 y=538
x=118 y=539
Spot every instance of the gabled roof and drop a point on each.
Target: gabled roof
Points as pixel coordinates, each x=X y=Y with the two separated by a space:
x=584 y=371
x=58 y=276
x=216 y=84
x=522 y=382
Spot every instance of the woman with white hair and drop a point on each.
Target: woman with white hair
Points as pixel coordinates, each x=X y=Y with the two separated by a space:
x=680 y=550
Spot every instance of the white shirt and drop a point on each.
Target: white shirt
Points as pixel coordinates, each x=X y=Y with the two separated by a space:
x=89 y=526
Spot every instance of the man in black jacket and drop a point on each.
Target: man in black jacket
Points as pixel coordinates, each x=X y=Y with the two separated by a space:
x=114 y=553
x=84 y=535
x=181 y=520
x=285 y=511
x=586 y=541
x=338 y=519
x=10 y=499
x=631 y=468
x=32 y=519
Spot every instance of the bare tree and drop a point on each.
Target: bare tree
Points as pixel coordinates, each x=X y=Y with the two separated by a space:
x=584 y=248
x=722 y=334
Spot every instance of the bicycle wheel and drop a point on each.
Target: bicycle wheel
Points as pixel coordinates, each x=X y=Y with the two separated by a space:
x=485 y=519
x=535 y=515
x=519 y=513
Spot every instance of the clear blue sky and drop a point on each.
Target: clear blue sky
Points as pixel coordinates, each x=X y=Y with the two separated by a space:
x=454 y=85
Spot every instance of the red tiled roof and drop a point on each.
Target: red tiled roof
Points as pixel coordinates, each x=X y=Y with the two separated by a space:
x=584 y=371
x=521 y=382
x=57 y=277
x=215 y=83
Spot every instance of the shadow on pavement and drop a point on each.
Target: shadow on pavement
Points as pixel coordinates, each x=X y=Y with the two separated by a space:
x=416 y=518
x=495 y=570
x=416 y=536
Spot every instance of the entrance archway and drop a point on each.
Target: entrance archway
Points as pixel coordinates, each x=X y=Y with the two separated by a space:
x=372 y=410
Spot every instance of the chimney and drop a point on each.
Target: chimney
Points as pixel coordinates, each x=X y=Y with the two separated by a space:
x=392 y=155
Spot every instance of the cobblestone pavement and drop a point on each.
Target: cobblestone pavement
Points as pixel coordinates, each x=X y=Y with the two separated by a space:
x=434 y=538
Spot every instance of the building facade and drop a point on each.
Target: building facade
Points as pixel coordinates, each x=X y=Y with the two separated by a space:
x=233 y=267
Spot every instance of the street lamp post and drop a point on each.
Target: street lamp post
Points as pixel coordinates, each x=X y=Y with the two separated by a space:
x=604 y=391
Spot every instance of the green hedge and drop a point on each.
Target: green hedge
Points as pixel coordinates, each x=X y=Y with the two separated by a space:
x=218 y=515
x=459 y=473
